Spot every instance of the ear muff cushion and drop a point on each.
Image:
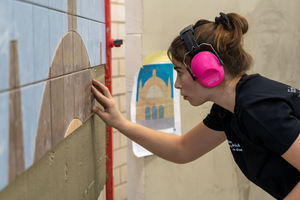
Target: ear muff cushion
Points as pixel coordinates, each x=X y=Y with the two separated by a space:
x=207 y=69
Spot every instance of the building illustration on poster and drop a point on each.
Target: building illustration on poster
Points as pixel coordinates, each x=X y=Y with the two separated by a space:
x=155 y=103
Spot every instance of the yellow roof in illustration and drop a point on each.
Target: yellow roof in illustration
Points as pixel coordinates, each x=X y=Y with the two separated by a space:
x=157 y=57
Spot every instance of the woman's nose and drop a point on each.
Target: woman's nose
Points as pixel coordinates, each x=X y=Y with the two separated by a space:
x=177 y=84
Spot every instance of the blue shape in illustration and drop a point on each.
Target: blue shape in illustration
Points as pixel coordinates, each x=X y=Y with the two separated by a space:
x=41 y=42
x=23 y=33
x=154 y=112
x=4 y=141
x=163 y=71
x=40 y=2
x=91 y=9
x=99 y=10
x=161 y=112
x=147 y=113
x=5 y=37
x=92 y=33
x=31 y=103
x=61 y=5
x=83 y=31
x=102 y=38
x=57 y=30
x=96 y=35
x=94 y=43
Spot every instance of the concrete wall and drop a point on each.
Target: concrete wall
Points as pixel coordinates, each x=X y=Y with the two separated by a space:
x=273 y=40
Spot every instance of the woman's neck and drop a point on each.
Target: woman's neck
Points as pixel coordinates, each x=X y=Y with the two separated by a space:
x=226 y=92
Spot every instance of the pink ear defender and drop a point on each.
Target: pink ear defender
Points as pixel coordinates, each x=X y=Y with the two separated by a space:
x=207 y=67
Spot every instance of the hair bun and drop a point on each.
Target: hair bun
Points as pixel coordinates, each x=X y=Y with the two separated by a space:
x=238 y=22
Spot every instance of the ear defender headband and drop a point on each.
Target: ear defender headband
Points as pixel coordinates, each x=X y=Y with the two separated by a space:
x=207 y=68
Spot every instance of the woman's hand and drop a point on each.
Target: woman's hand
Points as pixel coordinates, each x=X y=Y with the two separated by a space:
x=111 y=114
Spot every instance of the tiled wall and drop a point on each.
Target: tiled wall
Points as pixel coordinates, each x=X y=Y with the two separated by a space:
x=46 y=50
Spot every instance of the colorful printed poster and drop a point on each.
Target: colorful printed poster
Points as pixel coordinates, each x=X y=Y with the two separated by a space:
x=155 y=102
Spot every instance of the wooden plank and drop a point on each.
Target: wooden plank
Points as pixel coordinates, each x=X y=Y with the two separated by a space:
x=89 y=98
x=57 y=110
x=16 y=137
x=14 y=75
x=79 y=98
x=68 y=53
x=77 y=52
x=56 y=67
x=16 y=160
x=72 y=23
x=85 y=57
x=72 y=7
x=69 y=103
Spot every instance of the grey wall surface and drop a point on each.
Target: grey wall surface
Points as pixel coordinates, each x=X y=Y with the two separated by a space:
x=272 y=39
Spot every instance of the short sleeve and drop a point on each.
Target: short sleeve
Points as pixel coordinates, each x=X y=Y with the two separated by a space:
x=213 y=120
x=272 y=124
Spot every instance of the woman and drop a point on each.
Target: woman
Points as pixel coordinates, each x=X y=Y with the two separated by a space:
x=258 y=117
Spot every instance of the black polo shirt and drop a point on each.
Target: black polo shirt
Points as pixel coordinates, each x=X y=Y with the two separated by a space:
x=264 y=125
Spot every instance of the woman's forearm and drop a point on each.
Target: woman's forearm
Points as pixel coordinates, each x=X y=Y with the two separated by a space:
x=164 y=145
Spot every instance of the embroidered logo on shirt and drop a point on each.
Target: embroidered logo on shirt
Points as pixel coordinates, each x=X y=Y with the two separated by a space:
x=235 y=146
x=293 y=90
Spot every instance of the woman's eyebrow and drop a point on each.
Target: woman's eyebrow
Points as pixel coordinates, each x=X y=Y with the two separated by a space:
x=176 y=67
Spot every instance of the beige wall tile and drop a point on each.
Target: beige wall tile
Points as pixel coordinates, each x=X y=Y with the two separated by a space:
x=115 y=67
x=120 y=157
x=116 y=138
x=124 y=173
x=122 y=68
x=121 y=31
x=114 y=30
x=118 y=86
x=118 y=13
x=122 y=103
x=121 y=192
x=117 y=176
x=118 y=52
x=123 y=140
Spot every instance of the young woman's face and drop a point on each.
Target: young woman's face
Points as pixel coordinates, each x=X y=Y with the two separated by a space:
x=190 y=90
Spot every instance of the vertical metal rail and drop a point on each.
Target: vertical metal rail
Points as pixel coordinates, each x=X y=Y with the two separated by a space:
x=108 y=83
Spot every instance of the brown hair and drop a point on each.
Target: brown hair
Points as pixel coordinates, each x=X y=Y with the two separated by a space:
x=227 y=41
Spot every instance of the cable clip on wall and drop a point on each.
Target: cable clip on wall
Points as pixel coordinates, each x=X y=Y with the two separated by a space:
x=115 y=43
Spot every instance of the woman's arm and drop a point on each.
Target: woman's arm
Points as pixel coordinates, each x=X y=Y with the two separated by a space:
x=178 y=149
x=292 y=155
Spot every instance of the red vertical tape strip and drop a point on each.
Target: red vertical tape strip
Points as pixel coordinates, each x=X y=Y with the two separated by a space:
x=108 y=83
